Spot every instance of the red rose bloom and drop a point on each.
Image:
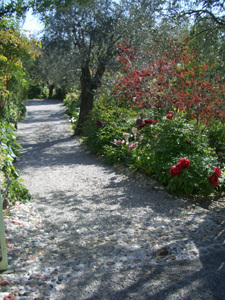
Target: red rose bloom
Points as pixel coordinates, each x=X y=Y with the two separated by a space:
x=217 y=172
x=213 y=179
x=185 y=163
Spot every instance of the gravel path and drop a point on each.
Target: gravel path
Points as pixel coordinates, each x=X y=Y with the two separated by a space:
x=92 y=233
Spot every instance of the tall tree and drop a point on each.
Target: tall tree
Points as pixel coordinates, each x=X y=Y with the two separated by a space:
x=93 y=30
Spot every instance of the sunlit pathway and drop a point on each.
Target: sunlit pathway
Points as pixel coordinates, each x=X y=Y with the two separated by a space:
x=106 y=236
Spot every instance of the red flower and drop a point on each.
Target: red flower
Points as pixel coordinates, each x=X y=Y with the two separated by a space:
x=169 y=116
x=185 y=163
x=175 y=170
x=217 y=172
x=179 y=167
x=182 y=164
x=148 y=121
x=141 y=126
x=213 y=179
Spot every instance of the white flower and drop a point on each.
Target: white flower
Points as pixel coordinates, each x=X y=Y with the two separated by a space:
x=134 y=131
x=126 y=136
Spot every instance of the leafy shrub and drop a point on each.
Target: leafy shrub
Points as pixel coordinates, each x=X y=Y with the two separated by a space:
x=17 y=192
x=35 y=91
x=177 y=138
x=9 y=151
x=106 y=122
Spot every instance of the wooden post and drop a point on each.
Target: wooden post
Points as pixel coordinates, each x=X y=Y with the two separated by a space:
x=4 y=261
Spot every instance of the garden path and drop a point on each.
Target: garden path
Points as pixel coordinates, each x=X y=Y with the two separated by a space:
x=103 y=235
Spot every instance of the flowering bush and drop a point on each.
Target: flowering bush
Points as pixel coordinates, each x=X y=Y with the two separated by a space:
x=173 y=150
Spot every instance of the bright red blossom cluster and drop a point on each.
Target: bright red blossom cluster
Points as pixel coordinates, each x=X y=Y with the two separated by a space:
x=184 y=163
x=213 y=179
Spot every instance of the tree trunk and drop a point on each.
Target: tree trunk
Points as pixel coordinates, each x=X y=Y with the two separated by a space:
x=50 y=90
x=89 y=86
x=86 y=97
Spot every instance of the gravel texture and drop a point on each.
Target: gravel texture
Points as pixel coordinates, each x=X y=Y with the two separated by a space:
x=92 y=232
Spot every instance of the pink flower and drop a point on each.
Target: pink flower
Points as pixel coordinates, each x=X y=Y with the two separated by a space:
x=169 y=116
x=132 y=145
x=185 y=163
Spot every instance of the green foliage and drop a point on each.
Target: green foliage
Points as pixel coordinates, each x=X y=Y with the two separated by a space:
x=9 y=151
x=216 y=133
x=72 y=103
x=36 y=91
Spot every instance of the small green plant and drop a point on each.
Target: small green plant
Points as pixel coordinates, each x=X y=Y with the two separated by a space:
x=72 y=103
x=18 y=192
